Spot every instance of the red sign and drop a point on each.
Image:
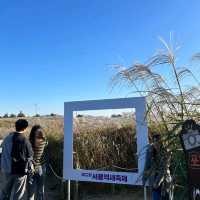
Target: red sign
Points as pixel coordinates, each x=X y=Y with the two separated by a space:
x=194 y=160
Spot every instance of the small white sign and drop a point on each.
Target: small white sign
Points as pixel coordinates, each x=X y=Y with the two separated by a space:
x=191 y=139
x=129 y=178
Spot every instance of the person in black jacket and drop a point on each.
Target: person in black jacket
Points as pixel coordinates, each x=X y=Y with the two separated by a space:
x=20 y=156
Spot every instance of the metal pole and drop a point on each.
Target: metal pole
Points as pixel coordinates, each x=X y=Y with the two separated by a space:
x=113 y=188
x=68 y=190
x=76 y=191
x=145 y=193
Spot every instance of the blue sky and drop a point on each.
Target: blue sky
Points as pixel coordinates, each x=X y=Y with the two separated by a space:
x=55 y=51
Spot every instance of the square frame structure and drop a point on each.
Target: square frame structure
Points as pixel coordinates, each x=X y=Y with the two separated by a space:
x=128 y=178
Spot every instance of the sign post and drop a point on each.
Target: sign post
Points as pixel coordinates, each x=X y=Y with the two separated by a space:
x=190 y=140
x=69 y=190
x=145 y=193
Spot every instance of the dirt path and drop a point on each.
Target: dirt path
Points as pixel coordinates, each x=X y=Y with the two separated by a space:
x=53 y=193
x=125 y=196
x=52 y=188
x=130 y=193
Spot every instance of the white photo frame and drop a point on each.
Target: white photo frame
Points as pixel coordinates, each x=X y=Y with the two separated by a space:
x=128 y=178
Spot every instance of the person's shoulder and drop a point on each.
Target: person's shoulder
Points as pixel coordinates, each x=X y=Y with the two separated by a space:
x=8 y=137
x=20 y=138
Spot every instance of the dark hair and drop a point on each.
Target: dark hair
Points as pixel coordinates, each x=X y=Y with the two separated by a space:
x=21 y=124
x=33 y=134
x=156 y=137
x=189 y=124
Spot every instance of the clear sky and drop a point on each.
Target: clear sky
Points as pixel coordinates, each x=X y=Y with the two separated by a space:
x=53 y=51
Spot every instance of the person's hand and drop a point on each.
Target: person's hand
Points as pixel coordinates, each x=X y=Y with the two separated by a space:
x=32 y=169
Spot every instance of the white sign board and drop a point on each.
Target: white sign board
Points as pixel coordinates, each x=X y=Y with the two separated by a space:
x=129 y=178
x=191 y=139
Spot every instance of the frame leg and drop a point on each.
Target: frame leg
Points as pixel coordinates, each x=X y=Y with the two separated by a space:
x=68 y=190
x=145 y=193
